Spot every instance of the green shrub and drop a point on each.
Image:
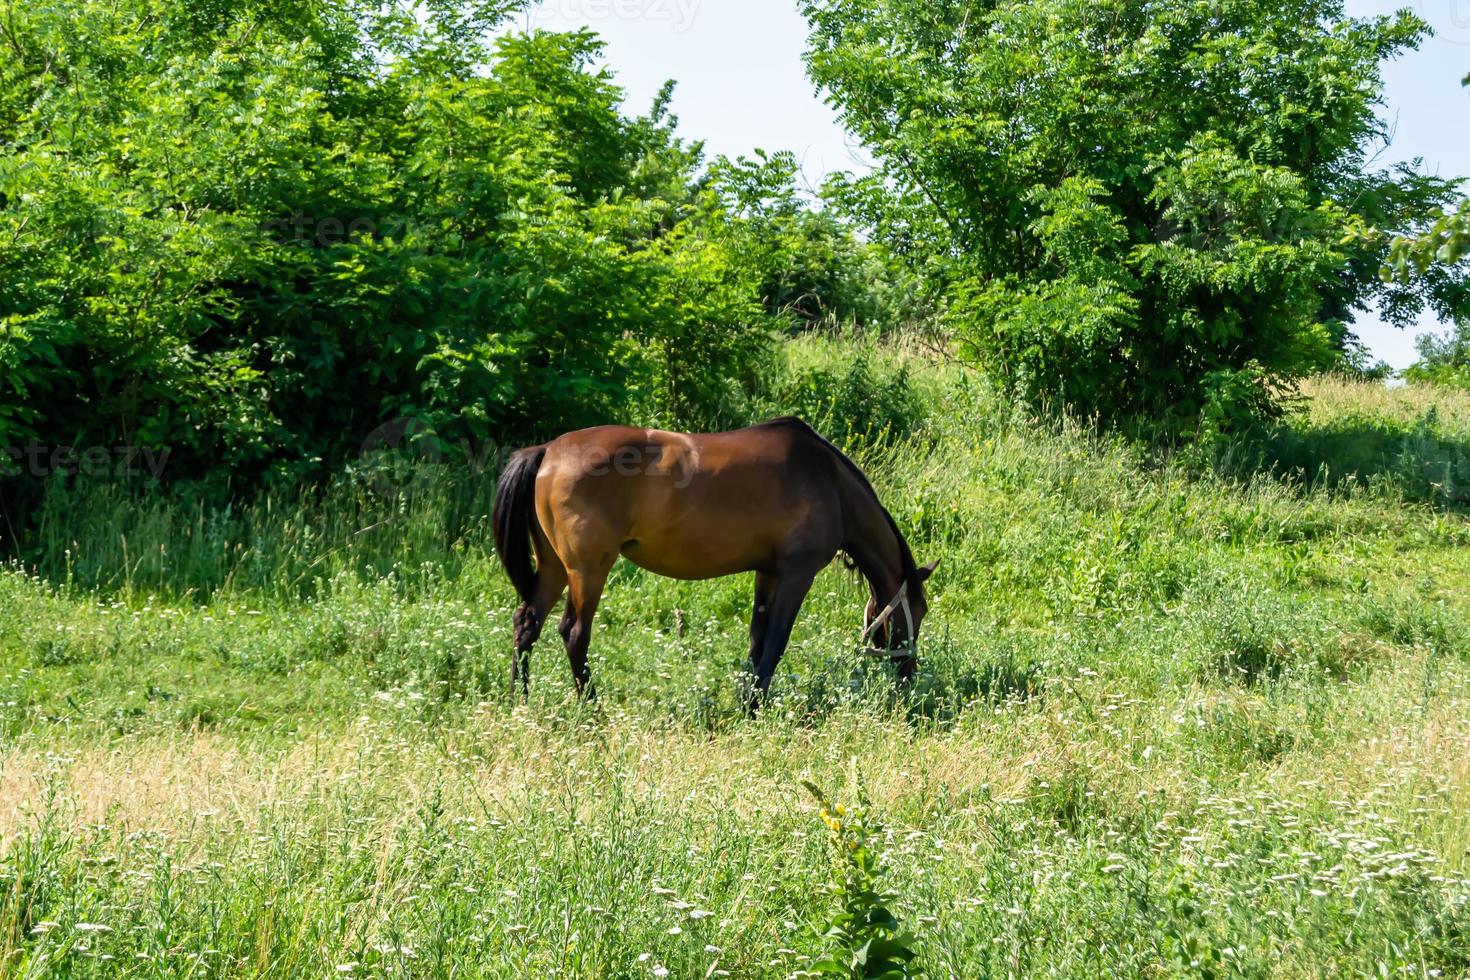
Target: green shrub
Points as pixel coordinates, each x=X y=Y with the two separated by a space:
x=257 y=234
x=1443 y=360
x=852 y=392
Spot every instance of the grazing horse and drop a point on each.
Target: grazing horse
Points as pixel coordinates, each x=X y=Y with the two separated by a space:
x=776 y=499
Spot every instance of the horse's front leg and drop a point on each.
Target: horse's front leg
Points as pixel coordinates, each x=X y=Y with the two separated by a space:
x=786 y=596
x=759 y=617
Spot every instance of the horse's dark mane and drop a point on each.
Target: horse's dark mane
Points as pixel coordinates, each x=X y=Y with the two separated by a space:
x=910 y=570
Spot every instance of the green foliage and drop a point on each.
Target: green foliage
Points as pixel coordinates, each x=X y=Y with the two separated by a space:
x=1443 y=360
x=257 y=233
x=709 y=341
x=813 y=269
x=1137 y=210
x=849 y=389
x=864 y=938
x=1446 y=241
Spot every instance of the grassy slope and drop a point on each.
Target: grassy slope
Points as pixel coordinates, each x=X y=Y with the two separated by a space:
x=1165 y=726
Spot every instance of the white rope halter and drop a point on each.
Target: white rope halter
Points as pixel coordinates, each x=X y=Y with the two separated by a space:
x=900 y=601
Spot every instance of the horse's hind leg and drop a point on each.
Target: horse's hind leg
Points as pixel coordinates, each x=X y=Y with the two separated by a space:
x=551 y=580
x=585 y=592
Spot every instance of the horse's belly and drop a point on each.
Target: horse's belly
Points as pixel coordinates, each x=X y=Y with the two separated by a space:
x=689 y=561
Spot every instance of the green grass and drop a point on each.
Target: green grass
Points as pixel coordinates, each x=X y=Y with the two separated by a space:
x=1411 y=442
x=1167 y=725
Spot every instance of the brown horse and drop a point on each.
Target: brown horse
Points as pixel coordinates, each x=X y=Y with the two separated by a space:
x=775 y=499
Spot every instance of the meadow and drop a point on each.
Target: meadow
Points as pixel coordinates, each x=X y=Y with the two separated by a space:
x=1174 y=718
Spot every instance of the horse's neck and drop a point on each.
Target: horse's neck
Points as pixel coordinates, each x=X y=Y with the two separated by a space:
x=873 y=543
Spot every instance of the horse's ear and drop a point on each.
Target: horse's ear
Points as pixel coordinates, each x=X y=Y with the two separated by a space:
x=926 y=570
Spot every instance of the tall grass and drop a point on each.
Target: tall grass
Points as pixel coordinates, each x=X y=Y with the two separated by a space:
x=117 y=536
x=1411 y=441
x=1167 y=723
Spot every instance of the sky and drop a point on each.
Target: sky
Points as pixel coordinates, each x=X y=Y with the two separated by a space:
x=742 y=86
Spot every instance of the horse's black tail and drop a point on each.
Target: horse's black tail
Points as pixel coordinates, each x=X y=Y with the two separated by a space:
x=513 y=516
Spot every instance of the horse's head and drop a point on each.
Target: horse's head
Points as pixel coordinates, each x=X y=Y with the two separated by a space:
x=893 y=629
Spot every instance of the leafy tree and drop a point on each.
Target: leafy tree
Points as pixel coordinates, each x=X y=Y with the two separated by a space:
x=813 y=268
x=710 y=339
x=1443 y=359
x=1446 y=241
x=1137 y=209
x=254 y=231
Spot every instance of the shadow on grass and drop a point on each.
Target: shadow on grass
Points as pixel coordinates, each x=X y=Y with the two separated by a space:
x=1007 y=678
x=1417 y=458
x=949 y=682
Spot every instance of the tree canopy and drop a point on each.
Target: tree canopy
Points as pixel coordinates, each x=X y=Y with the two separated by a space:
x=1139 y=209
x=254 y=231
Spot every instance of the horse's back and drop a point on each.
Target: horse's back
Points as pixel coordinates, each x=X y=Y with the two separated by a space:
x=685 y=505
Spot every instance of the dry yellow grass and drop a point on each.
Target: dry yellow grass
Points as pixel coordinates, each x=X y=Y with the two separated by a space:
x=1385 y=737
x=1329 y=397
